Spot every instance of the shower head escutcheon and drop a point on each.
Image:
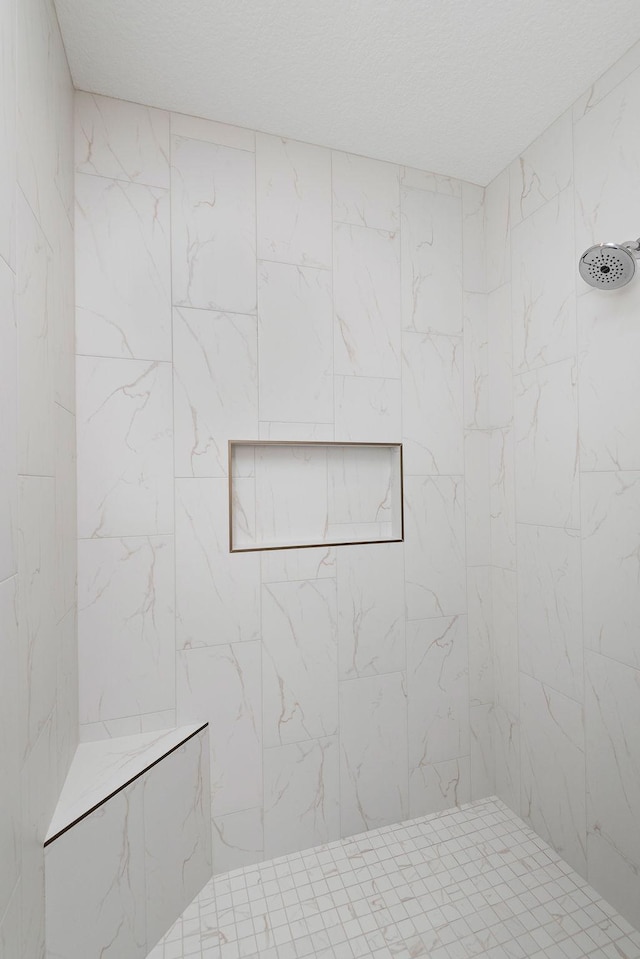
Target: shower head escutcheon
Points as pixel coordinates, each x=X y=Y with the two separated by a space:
x=608 y=266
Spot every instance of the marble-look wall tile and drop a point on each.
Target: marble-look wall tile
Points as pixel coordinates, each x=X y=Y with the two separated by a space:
x=432 y=182
x=477 y=497
x=432 y=404
x=434 y=546
x=125 y=472
x=610 y=545
x=370 y=610
x=8 y=424
x=549 y=608
x=480 y=628
x=294 y=432
x=474 y=279
x=67 y=693
x=8 y=130
x=126 y=627
x=431 y=239
x=63 y=313
x=295 y=335
x=476 y=361
x=482 y=759
x=121 y=140
x=506 y=745
x=553 y=769
x=10 y=743
x=293 y=182
x=66 y=511
x=367 y=410
x=502 y=498
x=123 y=282
x=504 y=605
x=543 y=285
x=365 y=192
x=546 y=446
x=224 y=134
x=442 y=785
x=543 y=170
x=217 y=593
x=608 y=368
x=10 y=931
x=438 y=699
x=221 y=685
x=627 y=64
x=215 y=388
x=299 y=671
x=613 y=781
x=291 y=496
x=373 y=758
x=301 y=796
x=500 y=356
x=366 y=291
x=282 y=565
x=213 y=226
x=497 y=222
x=237 y=840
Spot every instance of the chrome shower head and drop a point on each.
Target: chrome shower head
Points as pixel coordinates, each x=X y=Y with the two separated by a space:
x=608 y=266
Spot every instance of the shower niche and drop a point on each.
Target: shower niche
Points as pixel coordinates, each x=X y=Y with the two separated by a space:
x=286 y=495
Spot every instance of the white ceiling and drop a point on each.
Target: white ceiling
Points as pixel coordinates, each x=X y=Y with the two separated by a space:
x=453 y=86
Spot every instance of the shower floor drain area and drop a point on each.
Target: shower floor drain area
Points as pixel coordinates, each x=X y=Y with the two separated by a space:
x=469 y=882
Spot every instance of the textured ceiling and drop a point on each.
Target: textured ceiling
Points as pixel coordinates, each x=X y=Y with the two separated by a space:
x=453 y=86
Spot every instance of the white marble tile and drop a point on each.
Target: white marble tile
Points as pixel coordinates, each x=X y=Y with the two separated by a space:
x=8 y=425
x=506 y=744
x=432 y=404
x=10 y=931
x=299 y=671
x=35 y=345
x=608 y=366
x=477 y=497
x=367 y=409
x=604 y=84
x=177 y=834
x=63 y=298
x=7 y=129
x=553 y=769
x=125 y=448
x=482 y=760
x=431 y=239
x=301 y=796
x=607 y=170
x=543 y=285
x=474 y=276
x=215 y=388
x=550 y=608
x=297 y=432
x=295 y=334
x=293 y=192
x=127 y=726
x=10 y=743
x=434 y=546
x=65 y=513
x=125 y=626
x=497 y=223
x=476 y=361
x=364 y=494
x=613 y=781
x=121 y=140
x=370 y=610
x=221 y=685
x=123 y=278
x=546 y=446
x=237 y=840
x=217 y=594
x=366 y=291
x=291 y=496
x=287 y=565
x=213 y=226
x=480 y=625
x=504 y=638
x=373 y=757
x=543 y=170
x=438 y=699
x=96 y=903
x=610 y=545
x=440 y=786
x=502 y=498
x=36 y=602
x=67 y=732
x=365 y=192
x=500 y=356
x=432 y=182
x=224 y=134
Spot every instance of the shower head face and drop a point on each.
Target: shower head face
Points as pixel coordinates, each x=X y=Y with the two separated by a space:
x=607 y=266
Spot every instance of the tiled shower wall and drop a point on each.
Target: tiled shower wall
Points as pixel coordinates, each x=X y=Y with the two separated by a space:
x=38 y=674
x=564 y=438
x=234 y=285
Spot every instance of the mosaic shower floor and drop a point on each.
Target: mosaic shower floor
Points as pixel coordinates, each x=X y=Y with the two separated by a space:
x=467 y=882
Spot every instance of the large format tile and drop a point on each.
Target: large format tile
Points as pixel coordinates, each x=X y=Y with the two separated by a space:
x=543 y=170
x=215 y=388
x=500 y=356
x=213 y=226
x=293 y=193
x=123 y=278
x=301 y=796
x=476 y=384
x=224 y=134
x=482 y=751
x=431 y=238
x=504 y=638
x=10 y=743
x=473 y=242
x=295 y=335
x=287 y=565
x=8 y=425
x=221 y=685
x=496 y=230
x=300 y=697
x=237 y=840
x=125 y=444
x=7 y=129
x=477 y=497
x=373 y=759
x=126 y=627
x=506 y=746
x=66 y=512
x=502 y=498
x=367 y=410
x=365 y=192
x=480 y=628
x=366 y=290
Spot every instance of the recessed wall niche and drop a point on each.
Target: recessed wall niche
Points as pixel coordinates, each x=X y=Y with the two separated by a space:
x=284 y=495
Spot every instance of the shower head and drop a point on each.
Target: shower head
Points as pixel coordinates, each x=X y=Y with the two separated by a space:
x=608 y=266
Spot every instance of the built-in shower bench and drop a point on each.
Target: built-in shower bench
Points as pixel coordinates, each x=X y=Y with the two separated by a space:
x=129 y=845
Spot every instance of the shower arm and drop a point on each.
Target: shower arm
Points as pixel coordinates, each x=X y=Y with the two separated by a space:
x=633 y=246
